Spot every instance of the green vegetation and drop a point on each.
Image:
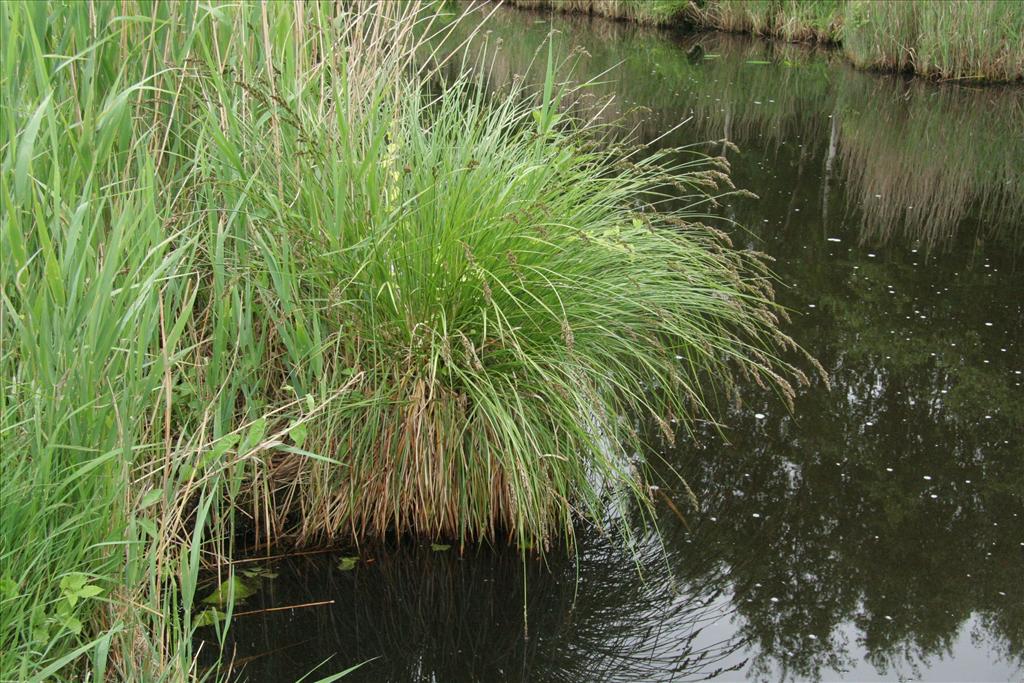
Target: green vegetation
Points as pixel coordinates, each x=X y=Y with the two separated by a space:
x=263 y=275
x=950 y=39
x=655 y=12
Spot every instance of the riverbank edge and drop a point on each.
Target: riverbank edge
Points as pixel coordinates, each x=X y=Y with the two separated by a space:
x=777 y=23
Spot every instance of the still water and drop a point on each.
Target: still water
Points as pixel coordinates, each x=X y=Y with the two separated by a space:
x=876 y=532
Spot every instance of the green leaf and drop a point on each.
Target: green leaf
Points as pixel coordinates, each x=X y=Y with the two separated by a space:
x=209 y=617
x=26 y=150
x=440 y=547
x=310 y=402
x=348 y=563
x=298 y=432
x=234 y=587
x=8 y=588
x=255 y=434
x=74 y=582
x=151 y=498
x=90 y=591
x=148 y=525
x=72 y=624
x=259 y=573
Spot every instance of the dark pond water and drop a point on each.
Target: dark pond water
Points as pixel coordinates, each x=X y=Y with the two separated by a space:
x=874 y=533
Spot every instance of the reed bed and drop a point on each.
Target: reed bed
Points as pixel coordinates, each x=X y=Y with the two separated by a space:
x=267 y=273
x=652 y=12
x=955 y=39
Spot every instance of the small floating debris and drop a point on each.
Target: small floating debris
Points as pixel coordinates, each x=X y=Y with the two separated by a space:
x=834 y=239
x=759 y=416
x=756 y=515
x=927 y=477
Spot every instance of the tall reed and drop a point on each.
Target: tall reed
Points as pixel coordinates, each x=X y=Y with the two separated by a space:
x=265 y=271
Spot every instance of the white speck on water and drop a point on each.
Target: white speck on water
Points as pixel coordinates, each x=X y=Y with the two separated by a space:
x=759 y=416
x=813 y=637
x=988 y=324
x=756 y=515
x=811 y=306
x=834 y=239
x=888 y=618
x=888 y=469
x=878 y=196
x=934 y=496
x=774 y=599
x=869 y=424
x=871 y=256
x=1002 y=593
x=967 y=481
x=927 y=477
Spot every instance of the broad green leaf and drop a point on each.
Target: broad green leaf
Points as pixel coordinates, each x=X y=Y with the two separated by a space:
x=151 y=498
x=255 y=434
x=298 y=433
x=209 y=617
x=234 y=587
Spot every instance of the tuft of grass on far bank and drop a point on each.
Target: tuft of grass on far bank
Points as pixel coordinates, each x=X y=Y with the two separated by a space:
x=947 y=39
x=261 y=273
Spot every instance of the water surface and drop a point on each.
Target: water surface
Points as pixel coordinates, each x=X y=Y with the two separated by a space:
x=876 y=532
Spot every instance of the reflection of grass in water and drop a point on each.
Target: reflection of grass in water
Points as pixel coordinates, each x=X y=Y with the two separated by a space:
x=954 y=39
x=935 y=156
x=436 y=615
x=946 y=151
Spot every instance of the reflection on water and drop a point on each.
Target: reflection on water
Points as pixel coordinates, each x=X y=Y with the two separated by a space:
x=435 y=615
x=916 y=159
x=877 y=532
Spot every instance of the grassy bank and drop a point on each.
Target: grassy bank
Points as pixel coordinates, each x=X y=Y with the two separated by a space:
x=263 y=276
x=955 y=39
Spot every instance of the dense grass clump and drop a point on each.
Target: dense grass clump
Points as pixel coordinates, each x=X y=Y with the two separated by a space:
x=506 y=303
x=263 y=271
